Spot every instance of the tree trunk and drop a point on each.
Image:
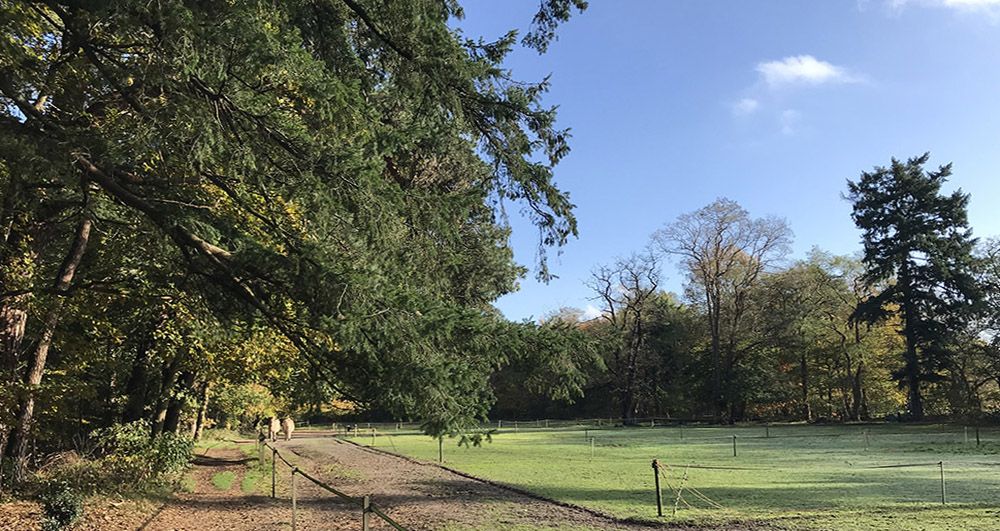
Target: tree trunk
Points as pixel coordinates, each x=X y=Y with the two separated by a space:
x=911 y=359
x=804 y=378
x=718 y=400
x=857 y=393
x=167 y=382
x=163 y=401
x=176 y=404
x=135 y=388
x=18 y=444
x=199 y=424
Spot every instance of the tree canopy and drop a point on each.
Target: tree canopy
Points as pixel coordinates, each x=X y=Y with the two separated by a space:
x=331 y=171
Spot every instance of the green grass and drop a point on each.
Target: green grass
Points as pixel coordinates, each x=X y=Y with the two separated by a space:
x=224 y=480
x=801 y=477
x=252 y=480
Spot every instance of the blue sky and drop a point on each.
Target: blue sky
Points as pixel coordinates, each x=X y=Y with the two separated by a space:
x=773 y=104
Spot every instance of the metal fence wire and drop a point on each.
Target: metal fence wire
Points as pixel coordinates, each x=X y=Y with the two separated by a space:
x=364 y=503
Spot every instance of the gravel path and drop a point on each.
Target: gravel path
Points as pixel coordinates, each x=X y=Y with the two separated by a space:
x=427 y=497
x=420 y=496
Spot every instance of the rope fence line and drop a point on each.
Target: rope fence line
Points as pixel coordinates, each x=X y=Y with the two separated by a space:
x=367 y=507
x=657 y=466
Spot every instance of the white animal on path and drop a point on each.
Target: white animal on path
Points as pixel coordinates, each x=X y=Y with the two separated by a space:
x=272 y=429
x=288 y=426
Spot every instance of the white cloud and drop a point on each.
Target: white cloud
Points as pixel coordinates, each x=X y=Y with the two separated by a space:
x=789 y=120
x=962 y=5
x=745 y=106
x=590 y=312
x=802 y=69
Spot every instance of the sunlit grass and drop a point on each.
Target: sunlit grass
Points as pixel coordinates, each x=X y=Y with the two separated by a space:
x=799 y=477
x=224 y=480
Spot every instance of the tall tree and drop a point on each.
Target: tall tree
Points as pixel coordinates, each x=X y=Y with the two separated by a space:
x=725 y=252
x=625 y=290
x=920 y=239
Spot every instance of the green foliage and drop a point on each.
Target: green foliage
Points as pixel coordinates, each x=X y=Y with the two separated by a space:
x=130 y=456
x=62 y=505
x=290 y=193
x=920 y=239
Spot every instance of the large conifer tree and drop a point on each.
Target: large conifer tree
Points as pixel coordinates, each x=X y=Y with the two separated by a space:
x=919 y=240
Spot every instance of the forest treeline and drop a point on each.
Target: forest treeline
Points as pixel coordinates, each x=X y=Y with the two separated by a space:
x=906 y=329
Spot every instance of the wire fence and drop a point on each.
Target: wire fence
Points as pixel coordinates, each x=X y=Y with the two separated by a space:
x=680 y=484
x=751 y=439
x=364 y=503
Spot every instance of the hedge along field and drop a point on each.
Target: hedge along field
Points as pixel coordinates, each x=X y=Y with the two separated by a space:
x=800 y=477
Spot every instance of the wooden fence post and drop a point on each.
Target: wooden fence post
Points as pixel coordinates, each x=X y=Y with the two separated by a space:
x=294 y=500
x=944 y=498
x=656 y=479
x=274 y=459
x=441 y=449
x=734 y=446
x=366 y=504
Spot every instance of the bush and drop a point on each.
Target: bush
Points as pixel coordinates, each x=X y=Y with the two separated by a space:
x=127 y=460
x=131 y=456
x=61 y=503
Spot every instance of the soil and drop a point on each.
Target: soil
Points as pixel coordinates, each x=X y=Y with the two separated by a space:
x=419 y=496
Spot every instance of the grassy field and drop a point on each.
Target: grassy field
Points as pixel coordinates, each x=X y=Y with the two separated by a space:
x=793 y=476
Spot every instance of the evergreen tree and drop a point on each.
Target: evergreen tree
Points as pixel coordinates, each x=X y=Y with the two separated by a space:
x=335 y=169
x=919 y=237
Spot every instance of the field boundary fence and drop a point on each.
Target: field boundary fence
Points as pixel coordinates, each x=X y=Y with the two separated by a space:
x=677 y=491
x=364 y=503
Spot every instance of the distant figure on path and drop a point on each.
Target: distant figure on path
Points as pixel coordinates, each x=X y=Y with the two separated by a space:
x=272 y=429
x=288 y=426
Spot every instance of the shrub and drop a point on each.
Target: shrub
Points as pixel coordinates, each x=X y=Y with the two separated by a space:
x=132 y=457
x=61 y=503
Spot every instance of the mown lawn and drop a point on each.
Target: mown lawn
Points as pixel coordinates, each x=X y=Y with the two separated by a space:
x=800 y=477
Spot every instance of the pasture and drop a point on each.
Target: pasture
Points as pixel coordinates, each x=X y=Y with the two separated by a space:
x=791 y=476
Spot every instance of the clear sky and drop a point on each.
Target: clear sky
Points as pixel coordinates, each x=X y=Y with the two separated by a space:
x=773 y=104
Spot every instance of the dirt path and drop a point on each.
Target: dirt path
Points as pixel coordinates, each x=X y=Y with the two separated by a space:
x=427 y=497
x=418 y=496
x=208 y=507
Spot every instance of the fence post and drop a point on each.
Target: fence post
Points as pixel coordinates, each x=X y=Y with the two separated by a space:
x=944 y=499
x=294 y=500
x=274 y=459
x=966 y=430
x=366 y=504
x=373 y=437
x=767 y=431
x=441 y=449
x=734 y=446
x=656 y=479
